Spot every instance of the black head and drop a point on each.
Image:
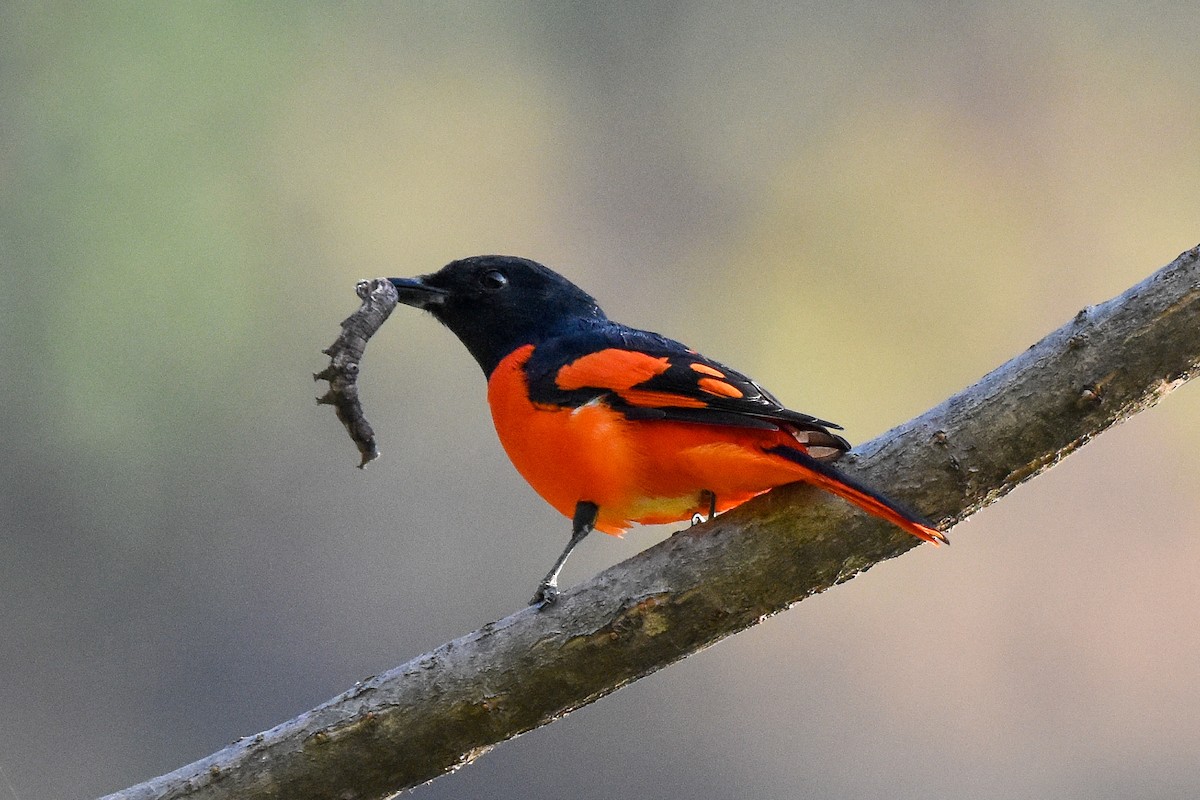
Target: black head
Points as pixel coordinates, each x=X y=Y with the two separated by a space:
x=495 y=304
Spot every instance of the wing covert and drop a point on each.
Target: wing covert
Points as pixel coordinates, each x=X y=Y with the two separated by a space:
x=648 y=376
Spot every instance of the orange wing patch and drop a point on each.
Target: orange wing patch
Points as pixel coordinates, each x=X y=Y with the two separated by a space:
x=611 y=369
x=621 y=371
x=718 y=387
x=648 y=398
x=705 y=369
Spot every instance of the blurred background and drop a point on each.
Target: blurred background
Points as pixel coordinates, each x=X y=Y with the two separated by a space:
x=866 y=206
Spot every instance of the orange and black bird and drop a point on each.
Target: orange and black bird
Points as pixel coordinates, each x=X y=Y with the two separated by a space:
x=612 y=425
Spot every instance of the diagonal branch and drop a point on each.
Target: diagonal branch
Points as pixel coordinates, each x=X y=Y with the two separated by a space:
x=445 y=708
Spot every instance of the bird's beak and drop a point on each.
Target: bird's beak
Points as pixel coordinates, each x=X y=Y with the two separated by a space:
x=415 y=292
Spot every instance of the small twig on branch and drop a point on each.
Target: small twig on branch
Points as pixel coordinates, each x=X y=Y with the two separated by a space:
x=445 y=708
x=345 y=355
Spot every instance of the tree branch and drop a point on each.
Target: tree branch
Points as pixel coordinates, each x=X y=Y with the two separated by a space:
x=445 y=708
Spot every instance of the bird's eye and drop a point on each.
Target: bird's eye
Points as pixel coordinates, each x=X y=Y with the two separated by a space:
x=493 y=280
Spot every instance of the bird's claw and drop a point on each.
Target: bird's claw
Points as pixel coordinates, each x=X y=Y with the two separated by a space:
x=546 y=595
x=697 y=519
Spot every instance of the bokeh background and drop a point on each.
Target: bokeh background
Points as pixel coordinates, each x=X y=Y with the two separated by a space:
x=865 y=205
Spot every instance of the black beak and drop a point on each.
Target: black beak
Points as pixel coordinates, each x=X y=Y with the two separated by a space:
x=414 y=292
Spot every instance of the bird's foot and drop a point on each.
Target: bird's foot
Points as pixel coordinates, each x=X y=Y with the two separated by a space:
x=697 y=519
x=546 y=595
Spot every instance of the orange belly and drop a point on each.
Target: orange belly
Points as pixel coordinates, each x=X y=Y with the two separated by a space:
x=635 y=471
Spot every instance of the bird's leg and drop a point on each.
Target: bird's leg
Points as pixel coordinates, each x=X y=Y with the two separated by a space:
x=582 y=524
x=711 y=497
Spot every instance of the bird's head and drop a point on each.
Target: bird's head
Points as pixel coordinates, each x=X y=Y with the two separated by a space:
x=495 y=304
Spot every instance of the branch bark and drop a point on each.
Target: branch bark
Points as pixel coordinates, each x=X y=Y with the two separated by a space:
x=447 y=707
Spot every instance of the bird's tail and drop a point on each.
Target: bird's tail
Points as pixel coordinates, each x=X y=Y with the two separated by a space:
x=831 y=480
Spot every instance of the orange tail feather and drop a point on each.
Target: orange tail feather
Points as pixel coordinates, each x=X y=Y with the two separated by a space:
x=831 y=480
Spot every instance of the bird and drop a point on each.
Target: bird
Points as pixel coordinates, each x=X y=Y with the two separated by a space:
x=615 y=426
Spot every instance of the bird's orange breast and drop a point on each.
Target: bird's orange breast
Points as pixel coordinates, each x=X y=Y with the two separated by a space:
x=635 y=471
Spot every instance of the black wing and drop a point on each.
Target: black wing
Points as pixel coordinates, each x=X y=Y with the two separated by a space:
x=648 y=376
